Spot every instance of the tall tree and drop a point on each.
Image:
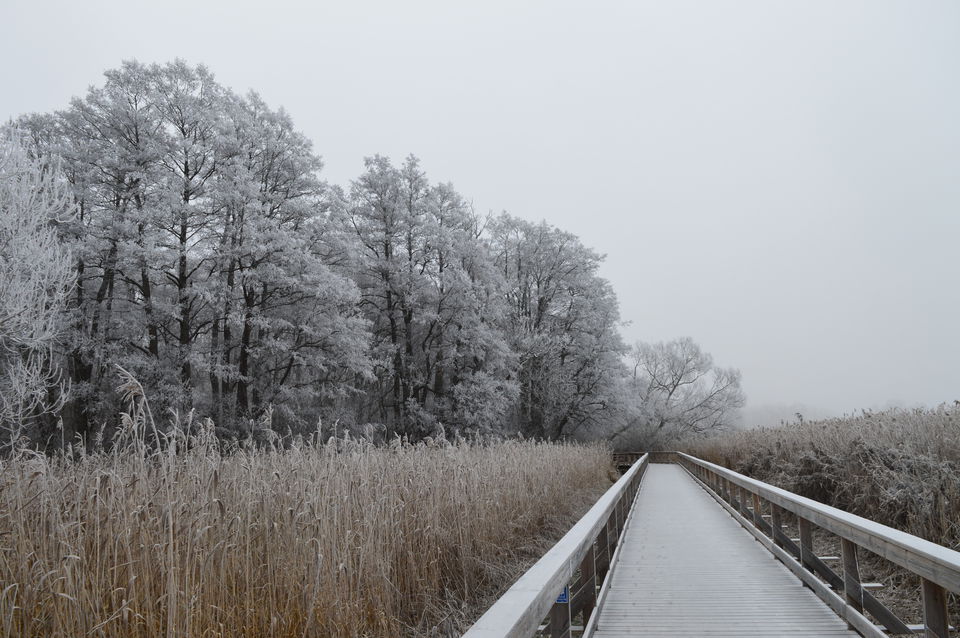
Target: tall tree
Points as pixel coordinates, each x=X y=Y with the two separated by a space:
x=286 y=331
x=563 y=321
x=432 y=298
x=189 y=105
x=199 y=248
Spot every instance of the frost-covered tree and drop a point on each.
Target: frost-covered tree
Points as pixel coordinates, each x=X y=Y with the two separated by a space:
x=111 y=142
x=213 y=263
x=200 y=258
x=563 y=325
x=285 y=329
x=680 y=392
x=432 y=295
x=36 y=276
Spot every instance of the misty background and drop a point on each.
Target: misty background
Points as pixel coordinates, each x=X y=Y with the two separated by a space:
x=778 y=180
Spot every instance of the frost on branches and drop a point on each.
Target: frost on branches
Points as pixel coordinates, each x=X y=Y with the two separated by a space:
x=36 y=273
x=212 y=262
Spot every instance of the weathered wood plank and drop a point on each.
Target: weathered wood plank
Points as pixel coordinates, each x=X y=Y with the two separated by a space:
x=687 y=568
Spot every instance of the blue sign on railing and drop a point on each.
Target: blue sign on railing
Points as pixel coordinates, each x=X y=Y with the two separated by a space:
x=564 y=596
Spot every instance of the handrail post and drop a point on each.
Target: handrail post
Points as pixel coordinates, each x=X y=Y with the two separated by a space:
x=776 y=524
x=757 y=511
x=620 y=515
x=852 y=589
x=806 y=543
x=588 y=580
x=612 y=535
x=602 y=566
x=560 y=620
x=935 y=618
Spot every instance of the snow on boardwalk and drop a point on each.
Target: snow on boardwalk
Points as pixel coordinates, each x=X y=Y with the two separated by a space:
x=687 y=568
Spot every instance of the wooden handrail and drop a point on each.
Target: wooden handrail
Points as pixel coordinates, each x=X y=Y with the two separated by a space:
x=519 y=612
x=922 y=557
x=937 y=566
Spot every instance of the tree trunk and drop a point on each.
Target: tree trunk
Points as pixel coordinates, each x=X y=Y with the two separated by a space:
x=243 y=360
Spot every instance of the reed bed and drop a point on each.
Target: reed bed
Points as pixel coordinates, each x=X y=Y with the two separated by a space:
x=339 y=539
x=897 y=467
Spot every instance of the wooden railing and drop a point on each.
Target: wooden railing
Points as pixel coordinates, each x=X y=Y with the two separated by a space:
x=564 y=583
x=763 y=509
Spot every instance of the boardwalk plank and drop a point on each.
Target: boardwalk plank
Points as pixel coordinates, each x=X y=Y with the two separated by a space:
x=688 y=569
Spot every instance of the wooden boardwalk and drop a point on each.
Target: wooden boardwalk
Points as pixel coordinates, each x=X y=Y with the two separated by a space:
x=687 y=568
x=685 y=547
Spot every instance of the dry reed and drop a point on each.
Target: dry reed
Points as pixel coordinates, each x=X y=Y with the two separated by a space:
x=342 y=539
x=897 y=467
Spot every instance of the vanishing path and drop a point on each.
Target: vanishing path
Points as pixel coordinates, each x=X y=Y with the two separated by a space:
x=687 y=568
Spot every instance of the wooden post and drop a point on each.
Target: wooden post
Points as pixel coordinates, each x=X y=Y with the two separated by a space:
x=776 y=524
x=611 y=536
x=588 y=578
x=806 y=542
x=615 y=537
x=936 y=621
x=757 y=511
x=603 y=549
x=560 y=620
x=852 y=590
x=620 y=516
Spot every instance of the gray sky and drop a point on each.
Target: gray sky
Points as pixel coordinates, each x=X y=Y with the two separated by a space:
x=778 y=180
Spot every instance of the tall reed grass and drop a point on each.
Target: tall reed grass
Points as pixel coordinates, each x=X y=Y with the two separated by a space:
x=897 y=467
x=336 y=539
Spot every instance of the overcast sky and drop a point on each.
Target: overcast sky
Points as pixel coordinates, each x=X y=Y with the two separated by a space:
x=778 y=180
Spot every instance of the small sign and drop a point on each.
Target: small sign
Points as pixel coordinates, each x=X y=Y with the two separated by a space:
x=564 y=596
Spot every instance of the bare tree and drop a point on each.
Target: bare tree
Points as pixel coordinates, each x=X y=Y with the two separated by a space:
x=36 y=275
x=680 y=391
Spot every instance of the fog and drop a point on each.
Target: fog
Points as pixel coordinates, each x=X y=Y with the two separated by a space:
x=778 y=180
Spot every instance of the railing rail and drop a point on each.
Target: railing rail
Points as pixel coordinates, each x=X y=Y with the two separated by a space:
x=937 y=566
x=587 y=548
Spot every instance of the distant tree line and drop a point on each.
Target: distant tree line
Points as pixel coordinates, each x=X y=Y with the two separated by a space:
x=182 y=233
